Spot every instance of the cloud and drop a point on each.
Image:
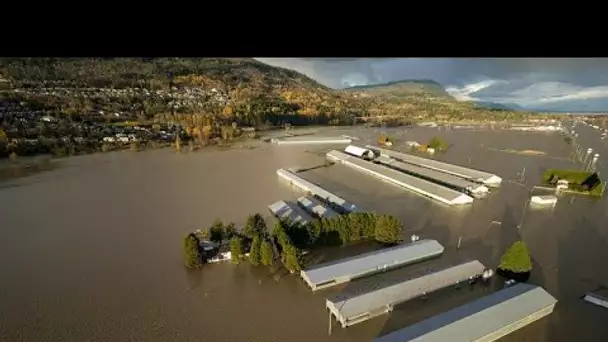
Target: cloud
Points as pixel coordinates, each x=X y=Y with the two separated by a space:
x=530 y=82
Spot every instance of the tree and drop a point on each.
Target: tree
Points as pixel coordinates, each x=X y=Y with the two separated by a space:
x=192 y=254
x=266 y=253
x=230 y=230
x=255 y=225
x=216 y=231
x=236 y=249
x=516 y=259
x=254 y=252
x=438 y=144
x=290 y=258
x=178 y=144
x=388 y=229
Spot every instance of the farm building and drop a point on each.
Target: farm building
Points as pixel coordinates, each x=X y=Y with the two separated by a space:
x=316 y=207
x=302 y=140
x=486 y=178
x=475 y=189
x=598 y=297
x=345 y=270
x=360 y=152
x=317 y=191
x=290 y=211
x=546 y=200
x=417 y=185
x=484 y=320
x=350 y=310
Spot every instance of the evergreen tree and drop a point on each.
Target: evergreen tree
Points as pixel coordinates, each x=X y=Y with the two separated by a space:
x=192 y=255
x=255 y=252
x=388 y=229
x=216 y=231
x=290 y=258
x=516 y=259
x=236 y=249
x=266 y=253
x=255 y=225
x=230 y=230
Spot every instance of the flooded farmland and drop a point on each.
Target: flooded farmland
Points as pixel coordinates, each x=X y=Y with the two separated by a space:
x=91 y=251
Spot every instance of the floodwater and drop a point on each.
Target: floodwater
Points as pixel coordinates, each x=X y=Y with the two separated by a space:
x=92 y=251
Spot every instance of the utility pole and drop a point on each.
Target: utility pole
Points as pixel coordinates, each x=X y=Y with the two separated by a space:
x=589 y=150
x=523 y=213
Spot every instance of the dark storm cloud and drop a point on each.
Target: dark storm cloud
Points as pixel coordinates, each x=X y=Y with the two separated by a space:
x=532 y=82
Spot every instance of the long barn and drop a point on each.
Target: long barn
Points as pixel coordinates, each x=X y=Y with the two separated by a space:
x=344 y=270
x=483 y=177
x=420 y=186
x=484 y=320
x=352 y=309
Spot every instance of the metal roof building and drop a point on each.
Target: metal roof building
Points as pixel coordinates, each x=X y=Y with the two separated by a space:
x=484 y=320
x=290 y=211
x=475 y=189
x=311 y=140
x=316 y=190
x=420 y=186
x=360 y=152
x=344 y=270
x=350 y=310
x=316 y=207
x=486 y=178
x=598 y=297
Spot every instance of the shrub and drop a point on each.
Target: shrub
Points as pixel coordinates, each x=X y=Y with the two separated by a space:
x=516 y=259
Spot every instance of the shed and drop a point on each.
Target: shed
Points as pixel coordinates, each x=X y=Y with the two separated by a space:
x=547 y=200
x=359 y=152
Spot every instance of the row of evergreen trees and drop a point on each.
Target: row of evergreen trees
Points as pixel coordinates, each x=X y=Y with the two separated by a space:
x=291 y=239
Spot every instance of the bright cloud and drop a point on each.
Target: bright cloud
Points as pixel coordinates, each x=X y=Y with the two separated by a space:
x=538 y=83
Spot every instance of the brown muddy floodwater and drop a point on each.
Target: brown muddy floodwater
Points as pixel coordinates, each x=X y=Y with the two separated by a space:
x=91 y=251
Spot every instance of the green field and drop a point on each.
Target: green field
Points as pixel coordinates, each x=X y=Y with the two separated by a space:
x=575 y=178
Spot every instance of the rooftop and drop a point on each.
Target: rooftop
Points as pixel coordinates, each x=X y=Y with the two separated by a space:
x=369 y=262
x=480 y=319
x=424 y=187
x=290 y=211
x=456 y=170
x=439 y=176
x=351 y=306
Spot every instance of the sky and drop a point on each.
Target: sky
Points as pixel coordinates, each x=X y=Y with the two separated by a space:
x=561 y=84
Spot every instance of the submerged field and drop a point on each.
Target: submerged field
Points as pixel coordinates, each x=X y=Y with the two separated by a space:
x=91 y=250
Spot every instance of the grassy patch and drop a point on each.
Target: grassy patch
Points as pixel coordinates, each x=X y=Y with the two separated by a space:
x=575 y=179
x=572 y=176
x=598 y=191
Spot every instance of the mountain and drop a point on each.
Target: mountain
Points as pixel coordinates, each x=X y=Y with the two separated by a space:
x=240 y=89
x=499 y=106
x=214 y=91
x=404 y=89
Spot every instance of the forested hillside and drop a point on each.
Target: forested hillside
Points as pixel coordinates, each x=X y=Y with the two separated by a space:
x=74 y=103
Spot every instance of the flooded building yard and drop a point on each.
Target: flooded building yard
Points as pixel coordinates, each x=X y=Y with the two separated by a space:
x=91 y=251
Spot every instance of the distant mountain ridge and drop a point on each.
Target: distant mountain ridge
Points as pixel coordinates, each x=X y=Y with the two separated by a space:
x=403 y=88
x=498 y=106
